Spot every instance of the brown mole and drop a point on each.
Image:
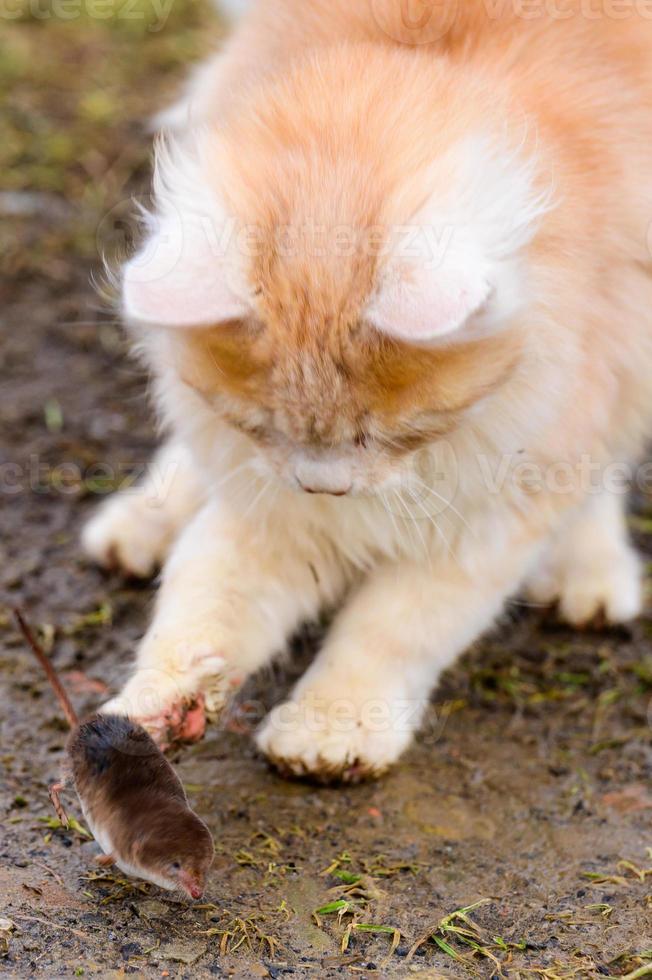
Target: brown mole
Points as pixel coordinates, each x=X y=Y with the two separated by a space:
x=131 y=797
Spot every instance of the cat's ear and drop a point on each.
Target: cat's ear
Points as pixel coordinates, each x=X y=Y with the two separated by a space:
x=432 y=293
x=457 y=271
x=181 y=277
x=188 y=271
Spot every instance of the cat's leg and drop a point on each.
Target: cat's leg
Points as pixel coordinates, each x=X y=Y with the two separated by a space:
x=134 y=529
x=357 y=707
x=590 y=567
x=233 y=590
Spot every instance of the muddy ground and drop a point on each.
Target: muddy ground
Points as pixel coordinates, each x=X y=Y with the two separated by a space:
x=529 y=792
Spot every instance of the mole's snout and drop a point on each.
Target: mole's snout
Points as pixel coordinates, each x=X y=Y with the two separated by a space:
x=191 y=884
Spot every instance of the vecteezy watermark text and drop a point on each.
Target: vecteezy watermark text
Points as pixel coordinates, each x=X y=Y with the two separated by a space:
x=417 y=22
x=71 y=478
x=152 y=14
x=492 y=475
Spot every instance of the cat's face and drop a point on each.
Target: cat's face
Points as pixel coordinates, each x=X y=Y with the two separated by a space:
x=339 y=409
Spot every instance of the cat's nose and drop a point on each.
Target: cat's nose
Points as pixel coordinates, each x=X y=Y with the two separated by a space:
x=321 y=476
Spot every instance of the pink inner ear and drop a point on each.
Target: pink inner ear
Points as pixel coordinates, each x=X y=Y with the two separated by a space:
x=177 y=302
x=427 y=309
x=178 y=286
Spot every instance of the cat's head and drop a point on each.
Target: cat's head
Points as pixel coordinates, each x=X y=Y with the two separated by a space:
x=338 y=273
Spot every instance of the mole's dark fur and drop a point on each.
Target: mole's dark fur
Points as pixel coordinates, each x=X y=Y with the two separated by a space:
x=132 y=798
x=112 y=740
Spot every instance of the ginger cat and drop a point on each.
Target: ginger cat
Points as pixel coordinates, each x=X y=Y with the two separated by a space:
x=396 y=300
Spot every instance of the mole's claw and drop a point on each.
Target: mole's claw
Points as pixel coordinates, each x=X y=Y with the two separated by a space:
x=104 y=860
x=55 y=789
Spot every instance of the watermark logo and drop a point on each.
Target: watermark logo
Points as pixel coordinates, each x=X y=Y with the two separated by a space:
x=415 y=22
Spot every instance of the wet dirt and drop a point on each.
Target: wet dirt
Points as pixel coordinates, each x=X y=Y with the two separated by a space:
x=528 y=791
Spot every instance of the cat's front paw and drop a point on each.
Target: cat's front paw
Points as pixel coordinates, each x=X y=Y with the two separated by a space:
x=335 y=742
x=607 y=588
x=127 y=534
x=179 y=721
x=172 y=702
x=610 y=589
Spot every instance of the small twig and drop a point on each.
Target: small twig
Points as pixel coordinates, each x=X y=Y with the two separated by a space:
x=54 y=925
x=57 y=877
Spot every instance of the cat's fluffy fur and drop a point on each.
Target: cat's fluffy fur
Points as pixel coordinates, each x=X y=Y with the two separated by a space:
x=441 y=399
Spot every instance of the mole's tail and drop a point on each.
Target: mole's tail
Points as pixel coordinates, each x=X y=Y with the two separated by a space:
x=44 y=661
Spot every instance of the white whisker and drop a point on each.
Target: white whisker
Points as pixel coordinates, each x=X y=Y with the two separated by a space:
x=251 y=506
x=447 y=503
x=391 y=514
x=431 y=519
x=414 y=523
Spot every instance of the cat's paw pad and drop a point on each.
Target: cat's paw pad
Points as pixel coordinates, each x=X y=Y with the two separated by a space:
x=297 y=744
x=128 y=536
x=182 y=722
x=610 y=590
